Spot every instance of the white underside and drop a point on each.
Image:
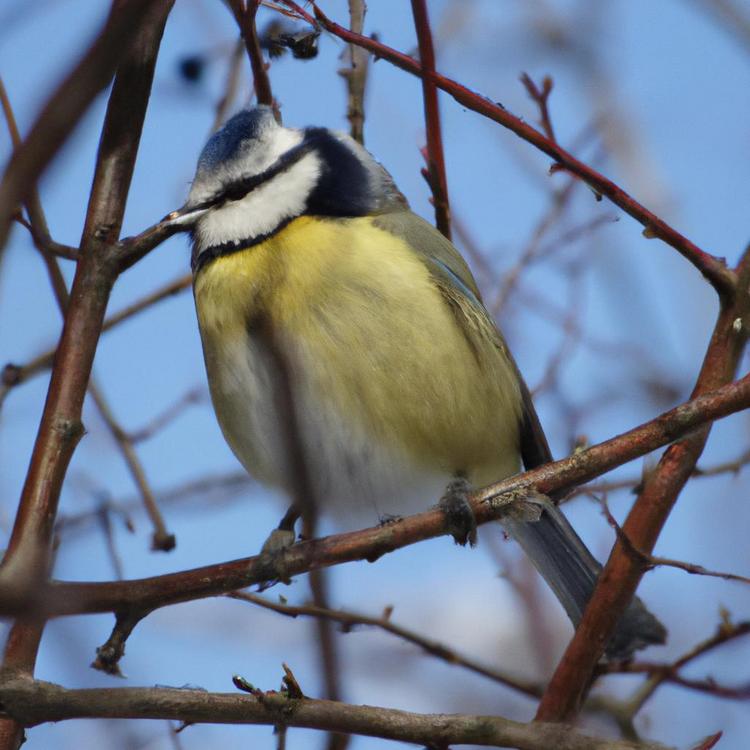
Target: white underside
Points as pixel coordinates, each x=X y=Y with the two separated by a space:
x=356 y=481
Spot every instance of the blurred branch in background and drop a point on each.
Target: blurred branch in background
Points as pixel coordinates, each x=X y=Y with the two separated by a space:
x=350 y=620
x=714 y=269
x=732 y=16
x=13 y=375
x=161 y=539
x=356 y=74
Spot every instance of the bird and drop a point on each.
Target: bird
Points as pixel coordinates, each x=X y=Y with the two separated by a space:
x=350 y=359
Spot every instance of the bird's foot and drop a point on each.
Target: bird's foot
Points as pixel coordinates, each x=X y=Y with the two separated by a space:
x=277 y=541
x=459 y=517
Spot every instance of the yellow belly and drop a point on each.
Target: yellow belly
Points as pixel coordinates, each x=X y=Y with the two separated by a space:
x=382 y=374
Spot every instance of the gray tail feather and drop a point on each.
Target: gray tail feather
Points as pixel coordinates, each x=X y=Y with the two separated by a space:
x=571 y=571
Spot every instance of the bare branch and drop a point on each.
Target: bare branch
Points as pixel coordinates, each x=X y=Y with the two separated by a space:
x=713 y=268
x=622 y=573
x=223 y=107
x=245 y=14
x=488 y=504
x=28 y=555
x=435 y=173
x=69 y=102
x=161 y=539
x=732 y=16
x=170 y=413
x=13 y=375
x=652 y=561
x=541 y=97
x=37 y=224
x=349 y=620
x=356 y=74
x=726 y=632
x=33 y=702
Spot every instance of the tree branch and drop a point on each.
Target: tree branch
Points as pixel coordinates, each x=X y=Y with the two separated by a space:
x=435 y=173
x=33 y=702
x=245 y=17
x=350 y=620
x=490 y=503
x=356 y=74
x=622 y=573
x=72 y=98
x=713 y=268
x=13 y=375
x=28 y=554
x=61 y=426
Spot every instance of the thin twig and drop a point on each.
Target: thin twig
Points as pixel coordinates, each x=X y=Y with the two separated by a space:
x=64 y=109
x=13 y=375
x=541 y=97
x=356 y=74
x=104 y=517
x=201 y=491
x=55 y=248
x=560 y=202
x=571 y=336
x=37 y=224
x=732 y=16
x=170 y=413
x=652 y=561
x=713 y=268
x=734 y=466
x=161 y=539
x=435 y=172
x=132 y=33
x=244 y=15
x=328 y=652
x=661 y=673
x=349 y=620
x=234 y=71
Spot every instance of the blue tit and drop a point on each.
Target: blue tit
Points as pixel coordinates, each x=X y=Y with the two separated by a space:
x=326 y=304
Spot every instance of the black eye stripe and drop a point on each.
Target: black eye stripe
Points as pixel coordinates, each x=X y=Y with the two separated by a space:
x=341 y=188
x=240 y=188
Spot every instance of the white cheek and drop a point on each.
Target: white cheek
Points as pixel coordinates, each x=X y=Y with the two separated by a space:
x=263 y=210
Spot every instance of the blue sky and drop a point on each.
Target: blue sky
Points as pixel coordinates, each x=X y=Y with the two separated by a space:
x=672 y=83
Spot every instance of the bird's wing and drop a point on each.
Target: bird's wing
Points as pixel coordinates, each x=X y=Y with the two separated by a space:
x=437 y=252
x=455 y=281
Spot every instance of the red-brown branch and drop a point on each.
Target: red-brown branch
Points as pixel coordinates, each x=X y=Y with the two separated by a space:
x=623 y=571
x=245 y=17
x=63 y=598
x=435 y=157
x=713 y=268
x=95 y=274
x=28 y=554
x=64 y=109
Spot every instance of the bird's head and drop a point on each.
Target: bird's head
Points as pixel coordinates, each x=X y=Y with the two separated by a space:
x=254 y=176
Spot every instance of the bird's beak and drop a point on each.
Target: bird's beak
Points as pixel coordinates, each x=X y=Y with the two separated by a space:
x=185 y=216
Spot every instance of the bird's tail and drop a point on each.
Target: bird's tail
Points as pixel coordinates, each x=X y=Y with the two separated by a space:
x=571 y=571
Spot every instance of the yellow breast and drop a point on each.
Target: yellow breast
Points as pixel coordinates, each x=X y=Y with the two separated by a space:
x=375 y=352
